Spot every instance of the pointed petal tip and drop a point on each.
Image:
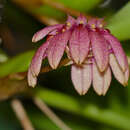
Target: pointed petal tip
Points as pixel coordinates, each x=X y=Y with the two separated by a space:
x=125 y=84
x=81 y=93
x=34 y=38
x=32 y=83
x=54 y=67
x=101 y=68
x=84 y=92
x=32 y=80
x=32 y=86
x=104 y=93
x=99 y=93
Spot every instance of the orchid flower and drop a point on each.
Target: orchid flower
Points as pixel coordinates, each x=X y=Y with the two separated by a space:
x=93 y=51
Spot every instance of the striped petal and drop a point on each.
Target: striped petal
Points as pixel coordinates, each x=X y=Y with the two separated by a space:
x=79 y=44
x=57 y=47
x=101 y=80
x=118 y=51
x=32 y=80
x=36 y=63
x=117 y=71
x=100 y=50
x=81 y=78
x=43 y=32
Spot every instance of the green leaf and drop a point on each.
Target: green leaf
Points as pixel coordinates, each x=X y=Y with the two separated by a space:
x=70 y=104
x=52 y=97
x=81 y=5
x=19 y=63
x=119 y=24
x=50 y=12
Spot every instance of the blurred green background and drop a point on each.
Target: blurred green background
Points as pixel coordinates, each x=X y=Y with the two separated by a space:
x=20 y=19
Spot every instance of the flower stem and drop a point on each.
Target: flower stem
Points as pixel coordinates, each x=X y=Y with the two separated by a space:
x=21 y=114
x=50 y=114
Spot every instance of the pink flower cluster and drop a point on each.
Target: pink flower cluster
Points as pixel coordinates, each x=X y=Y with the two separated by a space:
x=94 y=52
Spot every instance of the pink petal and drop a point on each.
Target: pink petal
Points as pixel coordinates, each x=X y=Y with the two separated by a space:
x=107 y=80
x=57 y=47
x=92 y=21
x=99 y=49
x=118 y=51
x=127 y=72
x=79 y=44
x=101 y=80
x=32 y=80
x=100 y=23
x=81 y=20
x=71 y=20
x=81 y=78
x=117 y=71
x=43 y=32
x=36 y=63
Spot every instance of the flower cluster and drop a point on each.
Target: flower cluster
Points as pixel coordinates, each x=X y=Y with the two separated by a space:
x=94 y=52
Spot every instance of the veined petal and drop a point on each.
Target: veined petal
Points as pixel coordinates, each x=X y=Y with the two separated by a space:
x=32 y=80
x=101 y=80
x=107 y=80
x=118 y=51
x=43 y=32
x=57 y=47
x=79 y=44
x=117 y=71
x=81 y=78
x=36 y=63
x=99 y=49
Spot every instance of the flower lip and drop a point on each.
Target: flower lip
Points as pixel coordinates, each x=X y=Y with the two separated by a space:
x=96 y=23
x=70 y=22
x=81 y=20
